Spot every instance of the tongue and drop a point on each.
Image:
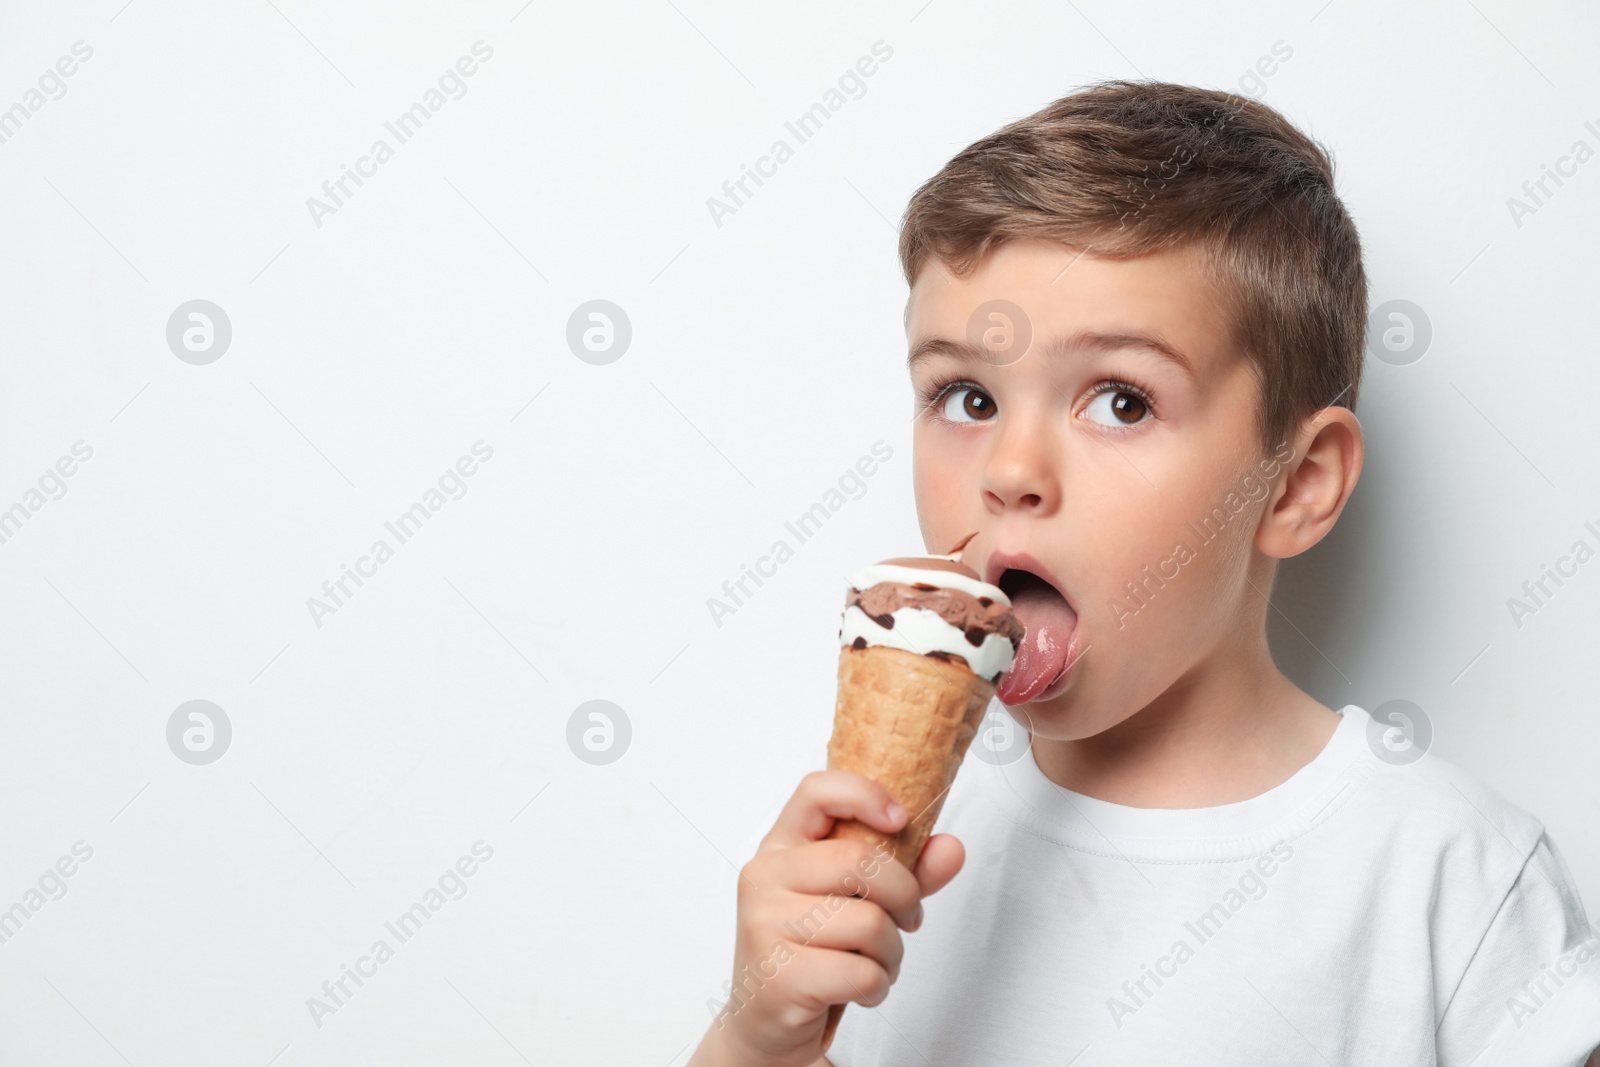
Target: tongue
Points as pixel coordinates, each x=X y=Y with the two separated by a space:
x=1043 y=649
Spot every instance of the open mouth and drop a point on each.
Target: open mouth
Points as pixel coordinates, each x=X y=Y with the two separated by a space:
x=1044 y=655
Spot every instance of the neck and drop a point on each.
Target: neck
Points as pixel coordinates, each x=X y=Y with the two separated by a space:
x=1230 y=729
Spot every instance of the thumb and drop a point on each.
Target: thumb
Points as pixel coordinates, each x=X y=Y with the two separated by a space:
x=942 y=857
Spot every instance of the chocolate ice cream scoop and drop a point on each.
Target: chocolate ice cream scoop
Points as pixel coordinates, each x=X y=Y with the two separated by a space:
x=934 y=606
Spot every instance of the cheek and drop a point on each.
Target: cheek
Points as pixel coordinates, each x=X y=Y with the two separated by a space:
x=1124 y=522
x=1183 y=574
x=937 y=476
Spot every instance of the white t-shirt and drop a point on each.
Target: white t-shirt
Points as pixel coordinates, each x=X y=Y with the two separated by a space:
x=1364 y=912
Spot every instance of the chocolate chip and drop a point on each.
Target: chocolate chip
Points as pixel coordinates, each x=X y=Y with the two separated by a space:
x=885 y=621
x=859 y=643
x=976 y=635
x=985 y=601
x=925 y=587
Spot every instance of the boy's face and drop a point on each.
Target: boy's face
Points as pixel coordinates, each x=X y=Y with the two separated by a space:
x=1063 y=469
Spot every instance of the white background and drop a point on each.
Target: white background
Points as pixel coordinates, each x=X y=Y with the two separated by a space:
x=368 y=353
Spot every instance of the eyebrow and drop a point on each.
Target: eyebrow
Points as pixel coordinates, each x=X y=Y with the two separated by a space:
x=1083 y=341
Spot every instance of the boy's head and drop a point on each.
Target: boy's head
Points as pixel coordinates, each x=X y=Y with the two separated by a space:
x=1136 y=324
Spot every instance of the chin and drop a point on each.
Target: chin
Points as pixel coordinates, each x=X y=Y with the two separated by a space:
x=1072 y=714
x=1051 y=719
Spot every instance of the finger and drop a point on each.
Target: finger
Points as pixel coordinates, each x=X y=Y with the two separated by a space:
x=850 y=925
x=846 y=867
x=826 y=976
x=941 y=860
x=823 y=797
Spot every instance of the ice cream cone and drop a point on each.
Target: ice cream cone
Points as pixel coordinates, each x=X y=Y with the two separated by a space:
x=905 y=721
x=923 y=645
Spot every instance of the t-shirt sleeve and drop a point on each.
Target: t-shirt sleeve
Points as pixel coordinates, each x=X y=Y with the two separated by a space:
x=1530 y=995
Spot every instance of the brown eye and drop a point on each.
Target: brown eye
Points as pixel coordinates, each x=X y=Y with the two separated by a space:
x=1128 y=408
x=965 y=404
x=1117 y=407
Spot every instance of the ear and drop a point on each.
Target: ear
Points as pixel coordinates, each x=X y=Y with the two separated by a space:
x=1318 y=478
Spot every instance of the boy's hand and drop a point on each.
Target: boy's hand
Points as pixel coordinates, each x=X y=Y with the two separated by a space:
x=802 y=942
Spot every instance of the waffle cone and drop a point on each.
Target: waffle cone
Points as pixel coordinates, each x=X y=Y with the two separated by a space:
x=905 y=721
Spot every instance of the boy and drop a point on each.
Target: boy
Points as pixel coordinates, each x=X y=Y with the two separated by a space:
x=1136 y=328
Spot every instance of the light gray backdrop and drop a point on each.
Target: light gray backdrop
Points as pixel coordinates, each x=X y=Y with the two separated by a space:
x=364 y=742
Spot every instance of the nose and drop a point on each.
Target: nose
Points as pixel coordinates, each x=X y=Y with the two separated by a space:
x=1021 y=472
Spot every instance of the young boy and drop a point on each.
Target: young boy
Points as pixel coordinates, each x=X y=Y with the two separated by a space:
x=1136 y=329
